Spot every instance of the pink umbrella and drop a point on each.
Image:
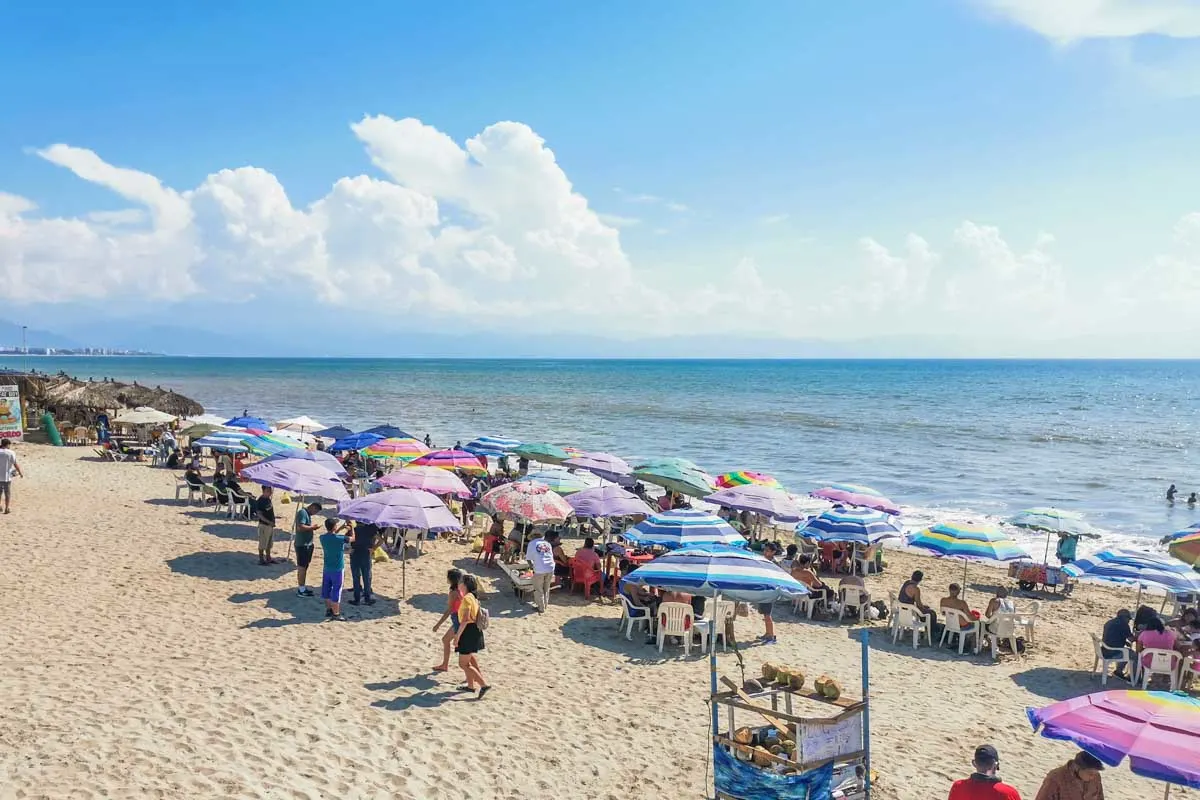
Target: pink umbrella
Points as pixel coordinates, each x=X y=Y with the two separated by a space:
x=401 y=508
x=853 y=494
x=429 y=479
x=527 y=501
x=605 y=465
x=1158 y=731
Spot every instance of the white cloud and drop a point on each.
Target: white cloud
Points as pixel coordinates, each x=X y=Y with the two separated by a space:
x=1071 y=20
x=774 y=219
x=678 y=208
x=14 y=205
x=618 y=221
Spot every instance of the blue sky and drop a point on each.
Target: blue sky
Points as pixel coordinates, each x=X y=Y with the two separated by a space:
x=769 y=169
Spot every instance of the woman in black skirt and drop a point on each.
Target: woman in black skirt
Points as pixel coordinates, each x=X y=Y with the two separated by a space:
x=470 y=636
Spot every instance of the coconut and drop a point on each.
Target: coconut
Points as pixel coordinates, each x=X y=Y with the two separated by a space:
x=743 y=753
x=797 y=680
x=777 y=750
x=769 y=670
x=832 y=689
x=819 y=684
x=762 y=756
x=743 y=735
x=783 y=675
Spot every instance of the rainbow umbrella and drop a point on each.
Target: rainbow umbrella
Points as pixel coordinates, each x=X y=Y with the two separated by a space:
x=853 y=494
x=1186 y=548
x=1158 y=731
x=451 y=459
x=399 y=449
x=969 y=542
x=526 y=502
x=271 y=444
x=747 y=478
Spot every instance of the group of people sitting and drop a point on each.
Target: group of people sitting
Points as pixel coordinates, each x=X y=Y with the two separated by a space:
x=1147 y=630
x=225 y=484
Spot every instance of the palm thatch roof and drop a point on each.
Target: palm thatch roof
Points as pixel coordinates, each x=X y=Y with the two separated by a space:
x=62 y=391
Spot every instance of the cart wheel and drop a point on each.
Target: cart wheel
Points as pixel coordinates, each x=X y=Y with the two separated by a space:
x=1026 y=586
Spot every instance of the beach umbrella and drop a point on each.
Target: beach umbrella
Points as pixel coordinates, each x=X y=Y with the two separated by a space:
x=389 y=432
x=969 y=542
x=561 y=481
x=200 y=429
x=683 y=527
x=1131 y=566
x=542 y=452
x=302 y=424
x=412 y=509
x=1159 y=732
x=1190 y=530
x=451 y=459
x=746 y=478
x=224 y=441
x=676 y=478
x=1051 y=521
x=335 y=433
x=608 y=501
x=758 y=499
x=427 y=479
x=248 y=422
x=606 y=465
x=143 y=416
x=398 y=449
x=205 y=419
x=324 y=459
x=356 y=441
x=864 y=526
x=306 y=439
x=526 y=502
x=853 y=494
x=1186 y=549
x=494 y=446
x=272 y=444
x=308 y=478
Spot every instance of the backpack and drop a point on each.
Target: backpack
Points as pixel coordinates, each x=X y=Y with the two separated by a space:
x=484 y=619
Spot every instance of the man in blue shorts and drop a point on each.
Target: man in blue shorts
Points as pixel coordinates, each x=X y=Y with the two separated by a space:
x=333 y=549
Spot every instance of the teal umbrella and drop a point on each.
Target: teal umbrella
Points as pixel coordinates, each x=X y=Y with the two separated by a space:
x=543 y=452
x=675 y=478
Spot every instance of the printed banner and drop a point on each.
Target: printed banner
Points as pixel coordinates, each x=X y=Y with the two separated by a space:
x=10 y=411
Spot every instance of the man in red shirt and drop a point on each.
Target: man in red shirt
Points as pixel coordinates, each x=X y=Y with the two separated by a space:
x=983 y=783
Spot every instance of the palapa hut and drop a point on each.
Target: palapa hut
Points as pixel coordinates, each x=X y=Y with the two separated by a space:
x=76 y=402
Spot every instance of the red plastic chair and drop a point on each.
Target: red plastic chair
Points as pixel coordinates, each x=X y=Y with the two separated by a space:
x=584 y=576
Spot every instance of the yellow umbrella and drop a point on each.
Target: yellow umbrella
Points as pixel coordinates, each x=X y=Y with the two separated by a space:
x=1186 y=549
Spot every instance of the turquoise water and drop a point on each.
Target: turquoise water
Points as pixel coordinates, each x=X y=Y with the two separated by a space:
x=958 y=439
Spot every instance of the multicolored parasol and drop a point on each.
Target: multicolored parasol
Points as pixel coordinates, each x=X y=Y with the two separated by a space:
x=747 y=478
x=272 y=444
x=526 y=502
x=396 y=449
x=853 y=494
x=1186 y=548
x=451 y=459
x=711 y=570
x=969 y=542
x=1158 y=732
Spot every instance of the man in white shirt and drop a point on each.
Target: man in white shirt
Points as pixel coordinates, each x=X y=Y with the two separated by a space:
x=10 y=467
x=540 y=554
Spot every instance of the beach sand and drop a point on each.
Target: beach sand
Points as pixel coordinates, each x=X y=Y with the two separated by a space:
x=146 y=654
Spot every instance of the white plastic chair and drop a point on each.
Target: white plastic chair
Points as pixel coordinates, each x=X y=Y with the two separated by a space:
x=1028 y=619
x=960 y=625
x=910 y=618
x=804 y=605
x=864 y=560
x=1189 y=670
x=182 y=486
x=633 y=615
x=722 y=611
x=893 y=611
x=1162 y=662
x=676 y=619
x=1102 y=661
x=856 y=598
x=1001 y=627
x=1178 y=601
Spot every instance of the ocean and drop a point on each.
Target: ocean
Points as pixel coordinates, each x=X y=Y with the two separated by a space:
x=955 y=440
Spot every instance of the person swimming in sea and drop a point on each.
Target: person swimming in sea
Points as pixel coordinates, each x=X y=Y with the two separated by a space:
x=1171 y=493
x=1191 y=501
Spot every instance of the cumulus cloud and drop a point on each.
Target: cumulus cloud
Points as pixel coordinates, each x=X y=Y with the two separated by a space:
x=1071 y=20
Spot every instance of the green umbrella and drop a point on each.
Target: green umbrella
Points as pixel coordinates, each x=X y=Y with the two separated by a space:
x=543 y=452
x=680 y=463
x=675 y=478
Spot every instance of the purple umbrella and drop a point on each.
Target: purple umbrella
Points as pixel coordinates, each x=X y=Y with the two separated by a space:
x=606 y=465
x=429 y=479
x=607 y=501
x=401 y=508
x=765 y=500
x=299 y=476
x=318 y=456
x=853 y=494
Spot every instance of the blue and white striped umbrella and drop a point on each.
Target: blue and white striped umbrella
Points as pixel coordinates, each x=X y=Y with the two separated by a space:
x=712 y=570
x=856 y=525
x=225 y=441
x=1131 y=566
x=681 y=528
x=493 y=446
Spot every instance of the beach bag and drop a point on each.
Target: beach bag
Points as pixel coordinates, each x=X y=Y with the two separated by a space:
x=379 y=554
x=484 y=619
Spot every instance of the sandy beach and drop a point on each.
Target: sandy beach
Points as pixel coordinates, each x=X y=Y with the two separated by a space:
x=148 y=655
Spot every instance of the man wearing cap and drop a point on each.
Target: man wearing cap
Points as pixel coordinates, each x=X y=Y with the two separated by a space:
x=1117 y=636
x=1078 y=779
x=983 y=783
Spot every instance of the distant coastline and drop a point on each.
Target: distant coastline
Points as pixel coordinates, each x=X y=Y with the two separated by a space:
x=88 y=352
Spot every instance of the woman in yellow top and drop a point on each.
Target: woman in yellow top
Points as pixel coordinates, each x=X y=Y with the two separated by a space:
x=470 y=638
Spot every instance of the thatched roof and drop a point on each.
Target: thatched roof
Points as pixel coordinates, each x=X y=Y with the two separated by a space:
x=70 y=393
x=175 y=403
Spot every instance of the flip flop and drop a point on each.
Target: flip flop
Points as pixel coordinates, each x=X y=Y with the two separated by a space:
x=441 y=669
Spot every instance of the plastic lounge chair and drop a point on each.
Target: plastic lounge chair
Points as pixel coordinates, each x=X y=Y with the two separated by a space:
x=1102 y=661
x=632 y=615
x=910 y=618
x=960 y=625
x=676 y=619
x=1162 y=662
x=1001 y=627
x=853 y=597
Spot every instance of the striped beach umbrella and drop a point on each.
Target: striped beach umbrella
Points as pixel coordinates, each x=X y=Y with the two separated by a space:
x=1131 y=566
x=681 y=528
x=451 y=459
x=492 y=446
x=561 y=481
x=746 y=478
x=969 y=542
x=853 y=494
x=526 y=502
x=272 y=444
x=396 y=449
x=864 y=526
x=1186 y=548
x=1190 y=530
x=732 y=573
x=224 y=441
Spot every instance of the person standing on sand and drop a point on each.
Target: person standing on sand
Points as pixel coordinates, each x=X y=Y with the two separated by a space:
x=365 y=540
x=333 y=553
x=453 y=601
x=305 y=528
x=469 y=640
x=540 y=553
x=1078 y=779
x=770 y=553
x=264 y=511
x=8 y=468
x=983 y=783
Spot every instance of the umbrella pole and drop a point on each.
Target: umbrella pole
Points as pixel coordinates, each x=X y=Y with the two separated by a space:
x=964 y=583
x=403 y=566
x=712 y=677
x=866 y=717
x=1137 y=603
x=1046 y=555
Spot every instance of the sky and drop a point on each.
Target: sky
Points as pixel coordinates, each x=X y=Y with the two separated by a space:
x=958 y=177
